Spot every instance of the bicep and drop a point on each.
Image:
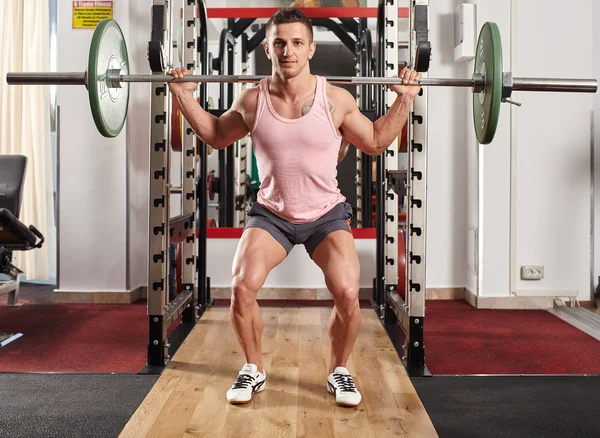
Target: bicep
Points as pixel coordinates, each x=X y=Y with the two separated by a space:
x=358 y=130
x=231 y=125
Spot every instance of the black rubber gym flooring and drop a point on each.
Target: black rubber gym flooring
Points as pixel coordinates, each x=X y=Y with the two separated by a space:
x=512 y=406
x=99 y=405
x=69 y=405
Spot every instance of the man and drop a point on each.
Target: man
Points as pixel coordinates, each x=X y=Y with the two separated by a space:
x=297 y=122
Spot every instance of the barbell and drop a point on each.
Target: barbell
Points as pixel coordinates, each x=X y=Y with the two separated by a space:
x=107 y=80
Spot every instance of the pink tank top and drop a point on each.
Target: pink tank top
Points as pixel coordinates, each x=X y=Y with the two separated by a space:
x=296 y=158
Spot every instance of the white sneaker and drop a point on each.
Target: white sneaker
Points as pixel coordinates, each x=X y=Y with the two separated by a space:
x=249 y=381
x=341 y=384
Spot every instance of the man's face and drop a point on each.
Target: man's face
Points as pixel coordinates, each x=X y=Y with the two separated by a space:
x=289 y=48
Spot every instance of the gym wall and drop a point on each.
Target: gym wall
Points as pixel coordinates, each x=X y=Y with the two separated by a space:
x=138 y=138
x=535 y=177
x=103 y=183
x=92 y=207
x=596 y=145
x=551 y=169
x=489 y=200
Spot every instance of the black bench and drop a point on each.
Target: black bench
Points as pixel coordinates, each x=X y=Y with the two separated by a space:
x=14 y=234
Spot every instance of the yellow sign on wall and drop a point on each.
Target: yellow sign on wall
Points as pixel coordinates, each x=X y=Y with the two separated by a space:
x=87 y=14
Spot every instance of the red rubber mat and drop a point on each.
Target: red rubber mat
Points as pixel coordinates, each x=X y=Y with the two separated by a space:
x=75 y=338
x=460 y=339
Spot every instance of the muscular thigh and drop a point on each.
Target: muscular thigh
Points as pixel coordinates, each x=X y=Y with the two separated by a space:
x=336 y=256
x=257 y=254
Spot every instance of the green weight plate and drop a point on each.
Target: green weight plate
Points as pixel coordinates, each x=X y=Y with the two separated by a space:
x=108 y=51
x=488 y=63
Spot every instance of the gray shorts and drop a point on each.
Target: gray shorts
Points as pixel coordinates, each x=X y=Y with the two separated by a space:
x=310 y=234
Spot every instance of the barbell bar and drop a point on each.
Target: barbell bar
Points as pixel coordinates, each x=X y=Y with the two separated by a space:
x=115 y=78
x=107 y=80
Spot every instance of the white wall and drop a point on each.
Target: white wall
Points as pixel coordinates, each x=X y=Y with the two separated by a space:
x=104 y=182
x=553 y=150
x=494 y=174
x=138 y=136
x=447 y=159
x=469 y=186
x=596 y=141
x=92 y=206
x=543 y=151
x=296 y=271
x=473 y=190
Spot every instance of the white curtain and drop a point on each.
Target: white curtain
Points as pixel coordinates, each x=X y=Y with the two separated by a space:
x=25 y=119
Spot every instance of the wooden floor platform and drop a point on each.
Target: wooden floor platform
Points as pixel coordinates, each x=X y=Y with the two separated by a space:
x=188 y=399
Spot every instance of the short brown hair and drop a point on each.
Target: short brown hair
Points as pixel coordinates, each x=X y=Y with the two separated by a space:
x=289 y=15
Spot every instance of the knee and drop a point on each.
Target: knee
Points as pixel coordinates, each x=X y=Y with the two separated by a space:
x=346 y=300
x=243 y=293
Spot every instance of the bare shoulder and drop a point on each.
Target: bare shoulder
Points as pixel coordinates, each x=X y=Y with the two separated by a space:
x=340 y=97
x=245 y=104
x=246 y=100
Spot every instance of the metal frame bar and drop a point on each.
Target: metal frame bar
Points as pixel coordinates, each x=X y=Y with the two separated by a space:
x=204 y=296
x=353 y=25
x=189 y=257
x=378 y=281
x=256 y=40
x=193 y=300
x=57 y=200
x=238 y=27
x=592 y=208
x=339 y=31
x=158 y=215
x=364 y=162
x=408 y=313
x=389 y=218
x=417 y=216
x=242 y=152
x=320 y=12
x=230 y=198
x=359 y=102
x=226 y=157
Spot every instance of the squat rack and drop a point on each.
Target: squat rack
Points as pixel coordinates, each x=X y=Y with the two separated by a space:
x=402 y=314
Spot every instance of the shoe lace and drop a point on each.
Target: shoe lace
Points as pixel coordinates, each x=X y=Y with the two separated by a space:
x=344 y=382
x=242 y=381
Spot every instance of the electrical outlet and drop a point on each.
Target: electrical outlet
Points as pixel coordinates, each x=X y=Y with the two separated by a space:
x=531 y=272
